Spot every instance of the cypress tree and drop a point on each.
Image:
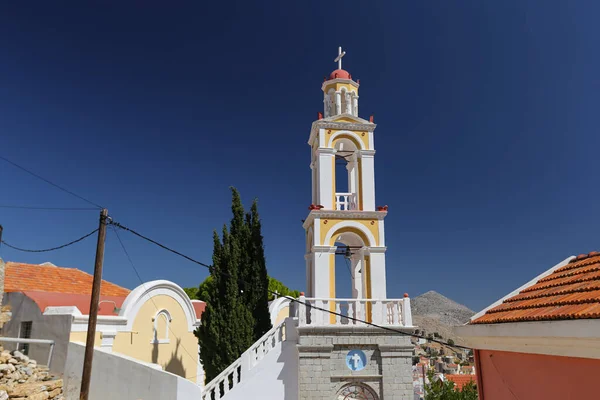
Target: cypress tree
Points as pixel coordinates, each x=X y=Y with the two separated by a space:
x=257 y=274
x=237 y=313
x=227 y=324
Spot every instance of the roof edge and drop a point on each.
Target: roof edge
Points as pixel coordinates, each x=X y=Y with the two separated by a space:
x=518 y=290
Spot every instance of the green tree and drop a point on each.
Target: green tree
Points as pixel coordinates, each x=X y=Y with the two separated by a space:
x=281 y=289
x=450 y=342
x=191 y=292
x=227 y=328
x=445 y=390
x=205 y=289
x=255 y=273
x=236 y=291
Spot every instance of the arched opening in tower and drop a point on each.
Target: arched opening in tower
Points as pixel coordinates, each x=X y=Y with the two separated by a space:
x=351 y=274
x=346 y=175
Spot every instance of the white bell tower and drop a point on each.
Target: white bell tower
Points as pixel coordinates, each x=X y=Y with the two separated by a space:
x=346 y=222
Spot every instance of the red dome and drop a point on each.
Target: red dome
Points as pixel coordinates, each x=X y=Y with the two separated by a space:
x=340 y=74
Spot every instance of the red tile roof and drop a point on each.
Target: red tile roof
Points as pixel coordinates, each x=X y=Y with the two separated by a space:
x=570 y=292
x=81 y=301
x=20 y=277
x=199 y=307
x=460 y=380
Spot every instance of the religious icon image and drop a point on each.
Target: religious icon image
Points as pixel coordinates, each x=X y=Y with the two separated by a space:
x=356 y=360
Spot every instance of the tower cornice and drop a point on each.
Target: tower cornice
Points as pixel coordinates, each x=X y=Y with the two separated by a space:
x=359 y=125
x=374 y=215
x=330 y=82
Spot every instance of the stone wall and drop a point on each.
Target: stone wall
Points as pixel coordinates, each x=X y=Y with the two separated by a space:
x=323 y=371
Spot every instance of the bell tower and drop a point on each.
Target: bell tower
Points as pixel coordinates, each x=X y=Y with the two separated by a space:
x=344 y=222
x=342 y=350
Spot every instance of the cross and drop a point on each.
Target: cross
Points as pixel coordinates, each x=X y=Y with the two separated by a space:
x=355 y=357
x=338 y=59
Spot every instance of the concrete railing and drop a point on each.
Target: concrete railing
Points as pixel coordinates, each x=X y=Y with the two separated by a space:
x=320 y=312
x=345 y=201
x=235 y=373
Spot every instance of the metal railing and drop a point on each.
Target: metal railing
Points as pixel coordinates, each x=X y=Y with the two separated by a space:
x=31 y=341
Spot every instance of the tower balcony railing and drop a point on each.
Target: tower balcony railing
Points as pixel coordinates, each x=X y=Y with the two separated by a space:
x=345 y=202
x=353 y=312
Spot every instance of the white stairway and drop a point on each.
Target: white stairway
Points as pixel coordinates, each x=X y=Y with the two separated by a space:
x=267 y=370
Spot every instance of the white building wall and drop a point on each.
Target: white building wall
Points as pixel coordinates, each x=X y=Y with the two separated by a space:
x=115 y=376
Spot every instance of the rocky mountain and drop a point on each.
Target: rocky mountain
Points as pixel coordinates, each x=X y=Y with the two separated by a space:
x=434 y=312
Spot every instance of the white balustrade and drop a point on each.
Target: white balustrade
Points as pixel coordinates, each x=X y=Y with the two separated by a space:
x=345 y=201
x=234 y=374
x=388 y=312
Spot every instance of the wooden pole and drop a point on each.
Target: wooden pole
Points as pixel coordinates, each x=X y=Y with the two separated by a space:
x=91 y=331
x=1 y=229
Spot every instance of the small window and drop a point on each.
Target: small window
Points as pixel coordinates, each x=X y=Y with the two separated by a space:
x=25 y=333
x=161 y=320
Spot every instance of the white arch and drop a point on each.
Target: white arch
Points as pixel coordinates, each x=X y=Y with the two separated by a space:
x=350 y=224
x=143 y=293
x=346 y=133
x=276 y=306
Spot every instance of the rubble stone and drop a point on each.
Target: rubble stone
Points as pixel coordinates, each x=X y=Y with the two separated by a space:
x=22 y=379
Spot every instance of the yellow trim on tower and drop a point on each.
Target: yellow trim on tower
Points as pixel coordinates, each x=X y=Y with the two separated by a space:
x=333 y=183
x=368 y=286
x=332 y=287
x=360 y=185
x=328 y=223
x=359 y=146
x=338 y=86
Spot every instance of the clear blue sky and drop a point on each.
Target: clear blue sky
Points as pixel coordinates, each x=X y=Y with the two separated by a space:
x=487 y=138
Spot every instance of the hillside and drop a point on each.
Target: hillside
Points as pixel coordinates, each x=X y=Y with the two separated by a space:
x=434 y=312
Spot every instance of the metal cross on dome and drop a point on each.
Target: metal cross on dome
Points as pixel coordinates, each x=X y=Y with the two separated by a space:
x=338 y=59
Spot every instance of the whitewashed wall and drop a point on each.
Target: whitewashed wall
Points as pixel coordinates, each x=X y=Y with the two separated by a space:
x=115 y=376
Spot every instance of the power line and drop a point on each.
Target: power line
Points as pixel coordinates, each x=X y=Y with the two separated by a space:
x=53 y=248
x=144 y=286
x=49 y=208
x=288 y=297
x=50 y=183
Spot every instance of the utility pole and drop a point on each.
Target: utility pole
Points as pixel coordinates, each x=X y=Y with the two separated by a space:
x=1 y=229
x=94 y=304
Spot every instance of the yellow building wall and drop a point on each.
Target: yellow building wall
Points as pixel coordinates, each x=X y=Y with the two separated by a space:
x=283 y=314
x=81 y=337
x=179 y=356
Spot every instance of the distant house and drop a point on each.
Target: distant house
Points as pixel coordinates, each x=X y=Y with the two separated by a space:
x=451 y=368
x=541 y=341
x=154 y=323
x=467 y=370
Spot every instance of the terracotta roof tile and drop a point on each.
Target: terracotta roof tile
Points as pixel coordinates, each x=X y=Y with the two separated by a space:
x=570 y=292
x=20 y=277
x=460 y=380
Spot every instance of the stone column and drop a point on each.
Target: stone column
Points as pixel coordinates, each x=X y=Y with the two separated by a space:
x=314 y=368
x=396 y=362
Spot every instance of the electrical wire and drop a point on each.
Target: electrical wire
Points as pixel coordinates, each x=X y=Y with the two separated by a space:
x=151 y=299
x=50 y=183
x=118 y=225
x=53 y=248
x=50 y=208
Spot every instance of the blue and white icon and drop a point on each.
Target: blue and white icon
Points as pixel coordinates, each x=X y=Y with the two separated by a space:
x=356 y=360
